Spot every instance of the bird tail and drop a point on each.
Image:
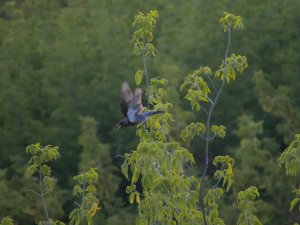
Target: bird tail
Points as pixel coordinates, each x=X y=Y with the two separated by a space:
x=153 y=113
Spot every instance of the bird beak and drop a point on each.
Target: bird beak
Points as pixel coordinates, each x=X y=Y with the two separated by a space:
x=118 y=126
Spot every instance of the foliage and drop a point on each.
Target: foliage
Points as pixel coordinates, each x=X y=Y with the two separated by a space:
x=169 y=196
x=210 y=201
x=193 y=129
x=226 y=171
x=38 y=167
x=290 y=160
x=255 y=158
x=229 y=67
x=88 y=205
x=143 y=35
x=6 y=221
x=246 y=206
x=277 y=101
x=229 y=20
x=197 y=87
x=97 y=155
x=63 y=60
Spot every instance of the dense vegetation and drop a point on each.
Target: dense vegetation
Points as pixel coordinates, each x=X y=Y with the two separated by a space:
x=61 y=67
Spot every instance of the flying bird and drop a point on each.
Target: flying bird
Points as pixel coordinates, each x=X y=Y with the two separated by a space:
x=132 y=108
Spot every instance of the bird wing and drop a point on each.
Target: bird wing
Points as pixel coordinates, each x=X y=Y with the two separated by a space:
x=126 y=98
x=137 y=100
x=135 y=106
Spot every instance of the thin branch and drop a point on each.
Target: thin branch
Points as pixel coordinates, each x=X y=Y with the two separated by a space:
x=165 y=139
x=42 y=195
x=34 y=192
x=214 y=187
x=204 y=110
x=146 y=73
x=212 y=83
x=212 y=138
x=120 y=156
x=211 y=101
x=208 y=130
x=202 y=137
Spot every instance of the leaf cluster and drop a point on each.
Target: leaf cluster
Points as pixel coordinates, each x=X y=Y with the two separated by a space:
x=229 y=20
x=143 y=35
x=246 y=206
x=290 y=158
x=198 y=89
x=226 y=171
x=85 y=190
x=210 y=200
x=6 y=221
x=232 y=65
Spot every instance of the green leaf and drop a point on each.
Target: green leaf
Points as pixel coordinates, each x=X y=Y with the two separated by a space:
x=131 y=197
x=139 y=76
x=135 y=176
x=294 y=203
x=124 y=169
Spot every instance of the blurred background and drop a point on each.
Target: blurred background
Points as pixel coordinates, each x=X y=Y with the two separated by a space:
x=62 y=63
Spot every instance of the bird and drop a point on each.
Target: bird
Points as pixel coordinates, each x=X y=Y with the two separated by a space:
x=132 y=108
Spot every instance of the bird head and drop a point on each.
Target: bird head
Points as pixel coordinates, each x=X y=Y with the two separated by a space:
x=122 y=123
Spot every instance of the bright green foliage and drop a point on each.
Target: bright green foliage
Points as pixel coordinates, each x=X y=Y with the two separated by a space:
x=143 y=35
x=246 y=206
x=159 y=128
x=157 y=93
x=229 y=20
x=296 y=200
x=290 y=158
x=167 y=193
x=232 y=65
x=138 y=77
x=193 y=129
x=39 y=157
x=226 y=171
x=169 y=196
x=85 y=190
x=198 y=92
x=6 y=221
x=210 y=200
x=198 y=89
x=218 y=130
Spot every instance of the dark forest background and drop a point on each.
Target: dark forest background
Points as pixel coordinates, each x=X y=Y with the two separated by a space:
x=62 y=63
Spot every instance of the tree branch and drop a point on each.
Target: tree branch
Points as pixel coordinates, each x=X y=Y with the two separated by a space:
x=208 y=128
x=42 y=195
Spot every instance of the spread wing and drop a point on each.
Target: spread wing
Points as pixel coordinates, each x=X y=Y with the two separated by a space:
x=126 y=98
x=137 y=100
x=135 y=106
